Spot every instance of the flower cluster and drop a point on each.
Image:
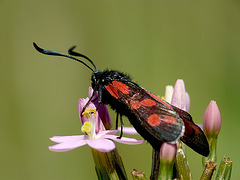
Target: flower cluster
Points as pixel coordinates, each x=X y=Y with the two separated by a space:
x=96 y=127
x=170 y=154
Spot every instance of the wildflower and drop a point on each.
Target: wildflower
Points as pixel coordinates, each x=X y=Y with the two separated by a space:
x=168 y=152
x=211 y=127
x=167 y=159
x=100 y=140
x=180 y=97
x=212 y=120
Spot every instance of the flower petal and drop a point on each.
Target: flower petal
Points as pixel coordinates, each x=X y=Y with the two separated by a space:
x=67 y=146
x=60 y=139
x=187 y=99
x=108 y=132
x=200 y=125
x=168 y=152
x=128 y=130
x=81 y=104
x=124 y=140
x=168 y=93
x=179 y=93
x=102 y=145
x=104 y=116
x=102 y=111
x=90 y=93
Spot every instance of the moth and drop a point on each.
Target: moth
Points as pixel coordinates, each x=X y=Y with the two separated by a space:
x=154 y=119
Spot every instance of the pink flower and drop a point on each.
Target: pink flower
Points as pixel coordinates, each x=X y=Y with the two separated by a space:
x=212 y=119
x=102 y=141
x=168 y=152
x=96 y=137
x=180 y=97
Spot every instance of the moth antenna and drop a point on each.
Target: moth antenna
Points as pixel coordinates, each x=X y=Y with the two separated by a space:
x=48 y=52
x=74 y=53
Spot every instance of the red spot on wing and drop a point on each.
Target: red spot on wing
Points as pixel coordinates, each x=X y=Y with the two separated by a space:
x=121 y=87
x=154 y=120
x=145 y=102
x=148 y=102
x=135 y=104
x=169 y=120
x=112 y=90
x=160 y=100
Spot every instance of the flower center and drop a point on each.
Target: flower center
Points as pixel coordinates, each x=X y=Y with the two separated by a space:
x=89 y=111
x=86 y=128
x=90 y=126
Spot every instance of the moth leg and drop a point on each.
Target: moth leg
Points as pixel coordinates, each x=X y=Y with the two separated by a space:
x=155 y=163
x=121 y=132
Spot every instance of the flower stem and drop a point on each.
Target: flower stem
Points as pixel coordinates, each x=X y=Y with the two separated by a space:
x=182 y=167
x=213 y=149
x=165 y=170
x=109 y=165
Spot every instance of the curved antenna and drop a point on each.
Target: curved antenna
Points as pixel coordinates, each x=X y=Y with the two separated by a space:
x=47 y=52
x=73 y=53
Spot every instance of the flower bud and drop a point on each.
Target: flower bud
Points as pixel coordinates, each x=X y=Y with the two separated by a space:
x=167 y=159
x=212 y=120
x=212 y=126
x=168 y=152
x=180 y=97
x=168 y=93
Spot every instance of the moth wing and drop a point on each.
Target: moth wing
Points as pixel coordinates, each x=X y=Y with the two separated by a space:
x=157 y=116
x=193 y=136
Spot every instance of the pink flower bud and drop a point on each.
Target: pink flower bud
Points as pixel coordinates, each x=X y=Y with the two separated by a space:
x=168 y=152
x=180 y=97
x=212 y=119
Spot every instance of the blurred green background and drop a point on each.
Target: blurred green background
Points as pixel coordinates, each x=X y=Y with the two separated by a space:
x=156 y=42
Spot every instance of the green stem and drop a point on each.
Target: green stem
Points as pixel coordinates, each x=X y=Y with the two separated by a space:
x=183 y=170
x=109 y=165
x=213 y=151
x=165 y=170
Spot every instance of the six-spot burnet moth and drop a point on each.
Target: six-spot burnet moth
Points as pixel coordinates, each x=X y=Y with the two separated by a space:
x=154 y=119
